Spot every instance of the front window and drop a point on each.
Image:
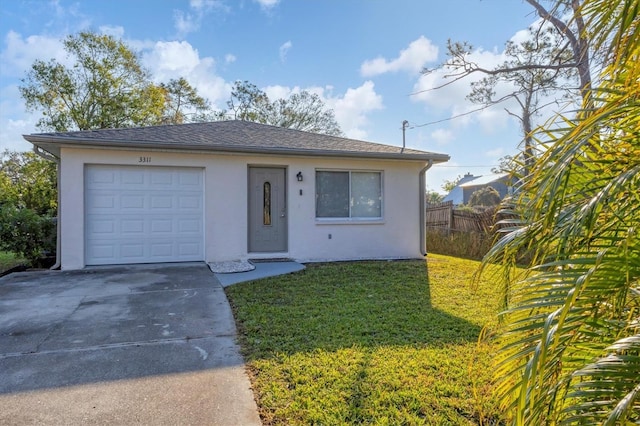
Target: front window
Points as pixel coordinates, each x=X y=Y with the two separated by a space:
x=348 y=194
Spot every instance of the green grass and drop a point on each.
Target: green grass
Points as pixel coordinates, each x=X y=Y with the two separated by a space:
x=370 y=342
x=9 y=260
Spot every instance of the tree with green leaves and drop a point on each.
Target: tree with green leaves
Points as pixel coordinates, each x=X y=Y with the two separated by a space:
x=301 y=111
x=304 y=111
x=448 y=185
x=553 y=63
x=28 y=204
x=248 y=103
x=28 y=182
x=531 y=84
x=433 y=197
x=569 y=343
x=106 y=87
x=183 y=104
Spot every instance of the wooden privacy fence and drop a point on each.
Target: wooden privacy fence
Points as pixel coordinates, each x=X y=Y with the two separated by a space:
x=444 y=216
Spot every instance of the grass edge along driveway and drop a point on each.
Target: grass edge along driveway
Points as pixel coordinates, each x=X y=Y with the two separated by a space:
x=370 y=342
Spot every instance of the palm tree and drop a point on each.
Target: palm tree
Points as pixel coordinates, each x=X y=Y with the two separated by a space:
x=569 y=344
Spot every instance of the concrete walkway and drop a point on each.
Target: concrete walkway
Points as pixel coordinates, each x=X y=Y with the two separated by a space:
x=149 y=344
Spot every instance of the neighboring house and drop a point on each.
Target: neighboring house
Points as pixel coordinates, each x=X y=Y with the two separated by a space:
x=233 y=190
x=456 y=195
x=468 y=184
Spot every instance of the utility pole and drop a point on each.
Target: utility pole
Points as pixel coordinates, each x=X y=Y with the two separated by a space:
x=405 y=124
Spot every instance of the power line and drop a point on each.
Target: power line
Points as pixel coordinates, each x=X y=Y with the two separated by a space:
x=413 y=126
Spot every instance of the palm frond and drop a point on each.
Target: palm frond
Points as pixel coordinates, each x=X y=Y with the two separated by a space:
x=570 y=337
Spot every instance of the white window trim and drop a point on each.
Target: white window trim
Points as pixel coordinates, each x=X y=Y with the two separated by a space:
x=351 y=220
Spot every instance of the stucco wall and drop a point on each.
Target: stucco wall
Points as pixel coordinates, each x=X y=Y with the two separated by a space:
x=397 y=235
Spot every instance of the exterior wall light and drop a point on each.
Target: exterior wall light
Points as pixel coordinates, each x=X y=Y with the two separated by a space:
x=299 y=176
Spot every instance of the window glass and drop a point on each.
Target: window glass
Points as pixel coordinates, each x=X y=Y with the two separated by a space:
x=266 y=204
x=332 y=194
x=348 y=194
x=366 y=194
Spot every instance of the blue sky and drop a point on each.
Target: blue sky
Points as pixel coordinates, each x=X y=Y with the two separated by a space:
x=363 y=57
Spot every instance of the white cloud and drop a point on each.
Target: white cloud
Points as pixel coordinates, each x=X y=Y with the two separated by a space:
x=17 y=56
x=442 y=136
x=229 y=58
x=189 y=22
x=284 y=49
x=350 y=109
x=280 y=92
x=412 y=59
x=267 y=4
x=14 y=122
x=185 y=23
x=204 y=4
x=19 y=53
x=175 y=59
x=116 y=32
x=171 y=58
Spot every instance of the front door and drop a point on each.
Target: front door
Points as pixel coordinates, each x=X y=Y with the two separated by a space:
x=267 y=209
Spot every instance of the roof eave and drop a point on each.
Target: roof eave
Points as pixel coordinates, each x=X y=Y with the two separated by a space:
x=78 y=142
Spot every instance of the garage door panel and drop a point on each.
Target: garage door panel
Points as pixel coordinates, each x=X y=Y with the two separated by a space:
x=188 y=249
x=186 y=202
x=190 y=180
x=162 y=249
x=101 y=177
x=189 y=226
x=132 y=201
x=105 y=252
x=162 y=225
x=132 y=226
x=101 y=227
x=162 y=179
x=161 y=202
x=143 y=214
x=100 y=202
x=132 y=251
x=131 y=178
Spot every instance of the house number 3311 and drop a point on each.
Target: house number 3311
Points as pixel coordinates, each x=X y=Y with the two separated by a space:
x=144 y=159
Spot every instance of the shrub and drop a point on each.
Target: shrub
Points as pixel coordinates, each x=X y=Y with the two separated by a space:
x=487 y=197
x=28 y=181
x=27 y=234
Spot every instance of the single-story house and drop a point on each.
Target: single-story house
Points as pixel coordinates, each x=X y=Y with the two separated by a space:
x=233 y=190
x=468 y=184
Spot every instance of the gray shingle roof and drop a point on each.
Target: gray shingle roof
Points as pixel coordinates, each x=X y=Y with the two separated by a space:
x=232 y=136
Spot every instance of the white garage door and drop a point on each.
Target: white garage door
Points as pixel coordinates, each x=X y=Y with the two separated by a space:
x=143 y=214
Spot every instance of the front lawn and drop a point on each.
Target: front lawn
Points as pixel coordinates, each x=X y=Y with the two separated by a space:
x=369 y=342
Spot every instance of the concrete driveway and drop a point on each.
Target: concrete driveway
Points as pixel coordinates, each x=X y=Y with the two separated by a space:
x=152 y=344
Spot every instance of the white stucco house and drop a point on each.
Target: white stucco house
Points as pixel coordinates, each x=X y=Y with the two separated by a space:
x=233 y=190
